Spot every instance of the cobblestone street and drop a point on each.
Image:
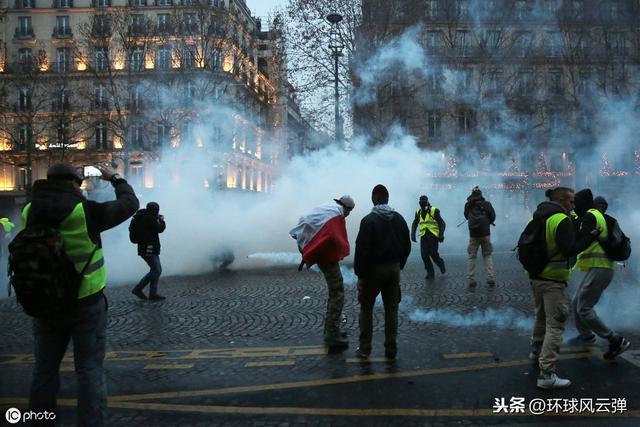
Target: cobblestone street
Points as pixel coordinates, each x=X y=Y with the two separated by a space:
x=245 y=349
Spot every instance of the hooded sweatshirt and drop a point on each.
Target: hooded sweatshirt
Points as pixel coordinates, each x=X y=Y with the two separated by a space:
x=383 y=238
x=476 y=201
x=569 y=242
x=151 y=225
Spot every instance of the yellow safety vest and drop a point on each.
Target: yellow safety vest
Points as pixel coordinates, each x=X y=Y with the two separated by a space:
x=78 y=246
x=594 y=256
x=7 y=225
x=558 y=267
x=428 y=222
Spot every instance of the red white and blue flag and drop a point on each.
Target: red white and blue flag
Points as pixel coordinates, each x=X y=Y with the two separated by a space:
x=322 y=235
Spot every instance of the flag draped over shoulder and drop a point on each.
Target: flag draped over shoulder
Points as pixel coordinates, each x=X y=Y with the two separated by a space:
x=322 y=235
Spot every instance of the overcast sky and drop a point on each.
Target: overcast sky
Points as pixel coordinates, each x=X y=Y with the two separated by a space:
x=261 y=8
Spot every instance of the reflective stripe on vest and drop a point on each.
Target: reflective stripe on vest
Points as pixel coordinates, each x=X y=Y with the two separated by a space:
x=7 y=225
x=78 y=247
x=428 y=222
x=594 y=256
x=558 y=267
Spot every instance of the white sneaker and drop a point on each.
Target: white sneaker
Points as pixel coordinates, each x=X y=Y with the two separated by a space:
x=552 y=381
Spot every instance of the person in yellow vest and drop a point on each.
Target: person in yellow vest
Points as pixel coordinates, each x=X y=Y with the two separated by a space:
x=430 y=226
x=58 y=202
x=551 y=303
x=6 y=227
x=599 y=271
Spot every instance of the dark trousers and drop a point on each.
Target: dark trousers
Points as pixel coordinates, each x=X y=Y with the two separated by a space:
x=153 y=276
x=87 y=326
x=385 y=279
x=428 y=251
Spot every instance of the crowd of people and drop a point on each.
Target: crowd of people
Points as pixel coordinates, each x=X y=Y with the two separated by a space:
x=60 y=230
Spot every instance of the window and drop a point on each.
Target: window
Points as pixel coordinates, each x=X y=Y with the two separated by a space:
x=190 y=90
x=101 y=135
x=24 y=136
x=577 y=10
x=611 y=11
x=495 y=82
x=493 y=39
x=434 y=82
x=25 y=58
x=136 y=134
x=617 y=43
x=63 y=29
x=25 y=4
x=101 y=25
x=63 y=4
x=164 y=22
x=164 y=2
x=63 y=60
x=163 y=58
x=101 y=96
x=137 y=59
x=137 y=24
x=462 y=9
x=190 y=23
x=465 y=76
x=137 y=3
x=434 y=121
x=584 y=83
x=462 y=43
x=432 y=9
x=434 y=42
x=63 y=134
x=521 y=10
x=215 y=62
x=24 y=27
x=555 y=121
x=101 y=59
x=135 y=98
x=555 y=82
x=551 y=7
x=523 y=44
x=524 y=85
x=62 y=99
x=163 y=134
x=554 y=44
x=102 y=3
x=465 y=118
x=24 y=99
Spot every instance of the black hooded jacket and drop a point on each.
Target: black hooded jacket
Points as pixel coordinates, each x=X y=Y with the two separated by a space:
x=476 y=201
x=570 y=243
x=151 y=225
x=383 y=238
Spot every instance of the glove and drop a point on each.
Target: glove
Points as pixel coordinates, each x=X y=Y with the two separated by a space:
x=413 y=238
x=441 y=238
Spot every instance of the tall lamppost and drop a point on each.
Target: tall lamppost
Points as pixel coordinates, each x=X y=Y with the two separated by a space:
x=336 y=46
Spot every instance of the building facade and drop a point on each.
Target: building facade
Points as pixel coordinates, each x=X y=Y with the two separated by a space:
x=519 y=89
x=139 y=82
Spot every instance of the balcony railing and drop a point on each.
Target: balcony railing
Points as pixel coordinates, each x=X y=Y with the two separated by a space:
x=62 y=4
x=24 y=33
x=62 y=33
x=100 y=3
x=25 y=4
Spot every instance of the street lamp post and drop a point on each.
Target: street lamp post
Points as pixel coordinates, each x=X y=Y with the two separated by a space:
x=336 y=47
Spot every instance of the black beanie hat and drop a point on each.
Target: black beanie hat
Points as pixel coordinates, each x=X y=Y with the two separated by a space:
x=600 y=201
x=153 y=207
x=583 y=201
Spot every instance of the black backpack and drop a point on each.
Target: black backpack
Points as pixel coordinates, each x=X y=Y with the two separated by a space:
x=136 y=232
x=478 y=218
x=43 y=276
x=532 y=247
x=618 y=245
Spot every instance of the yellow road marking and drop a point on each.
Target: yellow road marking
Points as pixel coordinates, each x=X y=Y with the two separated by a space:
x=354 y=412
x=467 y=355
x=334 y=381
x=196 y=354
x=67 y=369
x=171 y=366
x=274 y=363
x=368 y=360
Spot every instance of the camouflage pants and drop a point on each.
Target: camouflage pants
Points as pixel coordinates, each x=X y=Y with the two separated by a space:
x=335 y=302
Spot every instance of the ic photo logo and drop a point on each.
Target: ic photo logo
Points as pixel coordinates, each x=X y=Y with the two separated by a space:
x=13 y=415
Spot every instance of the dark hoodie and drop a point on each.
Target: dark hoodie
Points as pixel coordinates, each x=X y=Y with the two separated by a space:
x=383 y=238
x=476 y=201
x=569 y=242
x=151 y=225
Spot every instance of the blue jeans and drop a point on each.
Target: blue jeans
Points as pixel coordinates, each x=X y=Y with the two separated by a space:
x=153 y=276
x=87 y=325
